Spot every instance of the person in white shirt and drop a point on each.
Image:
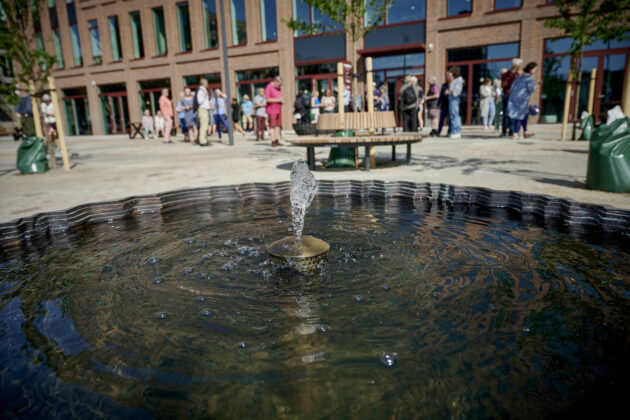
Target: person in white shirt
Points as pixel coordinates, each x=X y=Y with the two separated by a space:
x=203 y=112
x=50 y=122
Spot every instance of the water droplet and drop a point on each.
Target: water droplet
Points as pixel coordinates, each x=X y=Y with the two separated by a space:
x=386 y=287
x=187 y=270
x=388 y=360
x=181 y=259
x=201 y=299
x=242 y=344
x=161 y=315
x=153 y=259
x=157 y=280
x=190 y=241
x=206 y=312
x=229 y=242
x=329 y=296
x=357 y=298
x=323 y=329
x=107 y=270
x=526 y=330
x=203 y=244
x=197 y=251
x=228 y=266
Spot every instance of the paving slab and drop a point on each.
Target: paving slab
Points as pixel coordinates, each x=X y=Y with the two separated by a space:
x=113 y=167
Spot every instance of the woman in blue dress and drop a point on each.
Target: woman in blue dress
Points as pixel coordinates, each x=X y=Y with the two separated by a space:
x=189 y=116
x=518 y=104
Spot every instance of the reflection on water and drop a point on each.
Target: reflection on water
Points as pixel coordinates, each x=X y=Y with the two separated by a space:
x=418 y=312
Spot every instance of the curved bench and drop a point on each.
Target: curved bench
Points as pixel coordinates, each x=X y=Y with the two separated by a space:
x=368 y=141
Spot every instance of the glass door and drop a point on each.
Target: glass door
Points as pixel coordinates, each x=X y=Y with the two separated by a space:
x=610 y=84
x=115 y=112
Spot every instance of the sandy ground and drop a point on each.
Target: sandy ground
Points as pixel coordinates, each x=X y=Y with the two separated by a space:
x=114 y=167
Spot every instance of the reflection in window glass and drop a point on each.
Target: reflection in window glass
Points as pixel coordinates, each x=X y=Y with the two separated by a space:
x=502 y=51
x=506 y=4
x=210 y=23
x=95 y=40
x=214 y=79
x=406 y=11
x=58 y=50
x=114 y=33
x=268 y=20
x=459 y=7
x=74 y=33
x=136 y=34
x=183 y=22
x=160 y=31
x=398 y=61
x=239 y=24
x=486 y=52
x=301 y=12
x=312 y=16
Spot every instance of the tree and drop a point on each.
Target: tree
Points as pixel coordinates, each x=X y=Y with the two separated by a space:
x=588 y=21
x=357 y=17
x=18 y=19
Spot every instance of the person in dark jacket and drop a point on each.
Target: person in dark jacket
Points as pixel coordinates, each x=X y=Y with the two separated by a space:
x=300 y=107
x=24 y=111
x=443 y=104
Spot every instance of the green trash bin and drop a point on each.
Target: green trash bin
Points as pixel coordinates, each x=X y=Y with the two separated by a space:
x=609 y=158
x=341 y=157
x=31 y=156
x=588 y=126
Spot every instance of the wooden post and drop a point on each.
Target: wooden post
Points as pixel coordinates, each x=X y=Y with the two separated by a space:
x=591 y=92
x=60 y=135
x=567 y=106
x=370 y=105
x=36 y=117
x=340 y=89
x=625 y=98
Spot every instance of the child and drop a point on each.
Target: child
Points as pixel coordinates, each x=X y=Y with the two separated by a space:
x=159 y=124
x=147 y=124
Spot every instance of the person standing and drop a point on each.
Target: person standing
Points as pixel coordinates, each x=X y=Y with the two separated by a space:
x=408 y=98
x=454 y=92
x=181 y=115
x=247 y=107
x=315 y=105
x=507 y=79
x=486 y=103
x=219 y=102
x=189 y=116
x=261 y=116
x=50 y=122
x=329 y=102
x=347 y=98
x=443 y=103
x=383 y=104
x=159 y=124
x=433 y=96
x=300 y=108
x=498 y=102
x=235 y=112
x=518 y=105
x=273 y=96
x=166 y=106
x=24 y=111
x=203 y=112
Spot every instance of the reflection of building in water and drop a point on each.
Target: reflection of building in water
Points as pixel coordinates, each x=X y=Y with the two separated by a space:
x=142 y=46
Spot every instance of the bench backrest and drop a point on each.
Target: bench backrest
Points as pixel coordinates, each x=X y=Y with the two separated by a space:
x=356 y=121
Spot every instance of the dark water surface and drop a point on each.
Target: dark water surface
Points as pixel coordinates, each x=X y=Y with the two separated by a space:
x=419 y=312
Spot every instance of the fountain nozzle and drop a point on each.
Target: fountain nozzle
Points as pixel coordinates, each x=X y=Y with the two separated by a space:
x=303 y=253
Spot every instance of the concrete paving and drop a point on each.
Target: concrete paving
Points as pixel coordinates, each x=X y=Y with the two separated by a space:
x=114 y=167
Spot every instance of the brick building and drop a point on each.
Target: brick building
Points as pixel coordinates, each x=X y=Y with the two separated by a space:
x=114 y=56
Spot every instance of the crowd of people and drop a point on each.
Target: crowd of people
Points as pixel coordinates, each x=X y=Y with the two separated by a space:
x=203 y=113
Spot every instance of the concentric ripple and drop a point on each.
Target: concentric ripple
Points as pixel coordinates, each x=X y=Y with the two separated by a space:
x=419 y=311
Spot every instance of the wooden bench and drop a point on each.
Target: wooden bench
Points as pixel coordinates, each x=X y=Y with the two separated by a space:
x=368 y=141
x=356 y=121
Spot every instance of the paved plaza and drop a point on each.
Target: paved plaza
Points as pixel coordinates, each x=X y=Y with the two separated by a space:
x=114 y=167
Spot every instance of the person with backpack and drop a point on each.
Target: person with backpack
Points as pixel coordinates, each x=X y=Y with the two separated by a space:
x=408 y=98
x=201 y=104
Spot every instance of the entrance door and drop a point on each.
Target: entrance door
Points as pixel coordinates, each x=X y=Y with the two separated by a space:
x=609 y=84
x=115 y=112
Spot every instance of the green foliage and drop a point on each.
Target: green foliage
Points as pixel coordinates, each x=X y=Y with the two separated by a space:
x=350 y=15
x=19 y=48
x=588 y=21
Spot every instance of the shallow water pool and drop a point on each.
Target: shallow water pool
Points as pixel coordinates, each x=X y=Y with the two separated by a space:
x=419 y=311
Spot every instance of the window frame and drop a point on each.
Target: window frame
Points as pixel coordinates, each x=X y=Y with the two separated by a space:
x=117 y=36
x=460 y=15
x=95 y=59
x=207 y=24
x=506 y=9
x=138 y=53
x=263 y=25
x=157 y=13
x=182 y=38
x=234 y=26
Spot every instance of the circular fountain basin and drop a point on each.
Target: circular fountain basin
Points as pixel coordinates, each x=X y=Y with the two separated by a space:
x=434 y=301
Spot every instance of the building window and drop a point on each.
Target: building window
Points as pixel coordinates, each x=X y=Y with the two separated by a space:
x=214 y=80
x=77 y=111
x=312 y=16
x=459 y=7
x=249 y=81
x=54 y=26
x=507 y=4
x=114 y=33
x=239 y=22
x=136 y=34
x=183 y=21
x=401 y=11
x=74 y=33
x=150 y=92
x=159 y=30
x=268 y=20
x=6 y=67
x=95 y=39
x=210 y=23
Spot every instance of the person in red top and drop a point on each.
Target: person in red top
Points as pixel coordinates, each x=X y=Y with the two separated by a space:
x=273 y=96
x=166 y=106
x=507 y=79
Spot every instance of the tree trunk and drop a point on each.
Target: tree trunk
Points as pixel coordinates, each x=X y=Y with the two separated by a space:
x=578 y=81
